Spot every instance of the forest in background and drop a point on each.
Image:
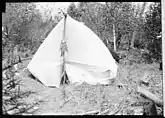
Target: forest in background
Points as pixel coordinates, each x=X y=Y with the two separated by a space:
x=131 y=35
x=120 y=25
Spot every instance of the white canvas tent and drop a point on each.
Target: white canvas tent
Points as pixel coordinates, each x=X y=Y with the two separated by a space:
x=87 y=59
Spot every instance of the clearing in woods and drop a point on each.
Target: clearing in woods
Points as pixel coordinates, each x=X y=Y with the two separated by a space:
x=119 y=97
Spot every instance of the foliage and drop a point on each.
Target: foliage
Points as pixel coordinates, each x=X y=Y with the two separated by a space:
x=100 y=18
x=73 y=11
x=125 y=15
x=11 y=92
x=134 y=56
x=153 y=29
x=25 y=26
x=25 y=29
x=23 y=32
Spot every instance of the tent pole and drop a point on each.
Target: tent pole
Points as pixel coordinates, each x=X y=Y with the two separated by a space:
x=64 y=47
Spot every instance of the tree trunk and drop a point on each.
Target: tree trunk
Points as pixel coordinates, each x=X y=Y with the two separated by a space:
x=114 y=37
x=149 y=95
x=118 y=40
x=107 y=41
x=93 y=20
x=133 y=39
x=139 y=20
x=112 y=15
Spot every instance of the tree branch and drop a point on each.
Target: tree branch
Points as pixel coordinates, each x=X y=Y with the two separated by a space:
x=149 y=96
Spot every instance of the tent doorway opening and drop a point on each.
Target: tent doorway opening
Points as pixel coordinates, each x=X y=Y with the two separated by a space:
x=65 y=79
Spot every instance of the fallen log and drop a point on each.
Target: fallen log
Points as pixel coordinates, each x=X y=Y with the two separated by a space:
x=145 y=93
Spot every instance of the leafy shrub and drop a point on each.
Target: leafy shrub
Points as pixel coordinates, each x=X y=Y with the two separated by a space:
x=132 y=56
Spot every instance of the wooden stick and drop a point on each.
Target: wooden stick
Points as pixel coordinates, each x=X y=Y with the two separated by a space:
x=115 y=111
x=63 y=48
x=101 y=113
x=65 y=14
x=145 y=93
x=90 y=112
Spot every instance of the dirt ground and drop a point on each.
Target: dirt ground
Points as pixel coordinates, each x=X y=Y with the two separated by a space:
x=118 y=98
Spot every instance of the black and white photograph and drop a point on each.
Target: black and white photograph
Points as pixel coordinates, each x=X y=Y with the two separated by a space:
x=83 y=58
